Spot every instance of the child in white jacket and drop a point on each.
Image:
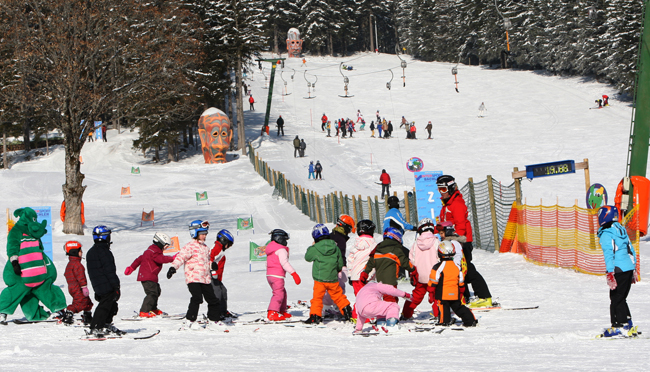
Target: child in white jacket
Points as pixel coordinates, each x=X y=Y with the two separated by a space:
x=359 y=254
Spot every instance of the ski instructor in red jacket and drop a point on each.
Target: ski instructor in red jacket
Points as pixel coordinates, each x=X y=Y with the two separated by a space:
x=385 y=183
x=454 y=210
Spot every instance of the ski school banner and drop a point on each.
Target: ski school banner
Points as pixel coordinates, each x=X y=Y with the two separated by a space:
x=245 y=224
x=428 y=197
x=135 y=170
x=202 y=197
x=45 y=213
x=175 y=247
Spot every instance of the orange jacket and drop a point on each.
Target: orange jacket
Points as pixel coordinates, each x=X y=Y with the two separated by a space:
x=446 y=278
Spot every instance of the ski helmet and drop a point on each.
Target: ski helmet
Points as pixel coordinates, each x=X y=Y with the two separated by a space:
x=347 y=223
x=279 y=236
x=446 y=250
x=446 y=227
x=426 y=224
x=320 y=232
x=72 y=248
x=393 y=202
x=366 y=227
x=607 y=214
x=198 y=226
x=447 y=183
x=225 y=238
x=101 y=233
x=393 y=233
x=161 y=240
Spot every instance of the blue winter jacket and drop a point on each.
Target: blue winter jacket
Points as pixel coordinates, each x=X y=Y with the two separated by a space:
x=311 y=168
x=395 y=219
x=617 y=249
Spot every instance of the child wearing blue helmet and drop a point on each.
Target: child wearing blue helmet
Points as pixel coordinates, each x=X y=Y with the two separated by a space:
x=327 y=263
x=620 y=263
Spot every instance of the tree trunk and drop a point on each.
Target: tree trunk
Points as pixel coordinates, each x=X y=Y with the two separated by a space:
x=190 y=129
x=372 y=38
x=185 y=135
x=331 y=44
x=156 y=154
x=27 y=128
x=5 y=165
x=241 y=135
x=276 y=50
x=73 y=190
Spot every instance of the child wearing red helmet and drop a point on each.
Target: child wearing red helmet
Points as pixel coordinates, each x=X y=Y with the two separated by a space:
x=75 y=276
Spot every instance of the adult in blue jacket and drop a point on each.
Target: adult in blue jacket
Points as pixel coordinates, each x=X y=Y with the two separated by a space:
x=620 y=263
x=394 y=218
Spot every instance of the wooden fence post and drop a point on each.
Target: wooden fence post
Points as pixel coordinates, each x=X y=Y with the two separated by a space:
x=354 y=208
x=407 y=212
x=493 y=213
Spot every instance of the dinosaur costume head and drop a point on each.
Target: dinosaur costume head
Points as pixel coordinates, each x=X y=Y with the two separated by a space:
x=28 y=223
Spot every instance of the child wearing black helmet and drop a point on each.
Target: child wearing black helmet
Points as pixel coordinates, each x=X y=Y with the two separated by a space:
x=224 y=241
x=277 y=265
x=445 y=281
x=150 y=263
x=75 y=276
x=359 y=255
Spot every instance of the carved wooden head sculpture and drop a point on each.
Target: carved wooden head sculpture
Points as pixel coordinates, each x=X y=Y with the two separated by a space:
x=215 y=132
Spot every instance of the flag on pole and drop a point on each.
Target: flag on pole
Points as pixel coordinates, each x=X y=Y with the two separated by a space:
x=126 y=192
x=256 y=253
x=175 y=247
x=245 y=224
x=135 y=170
x=147 y=217
x=10 y=221
x=202 y=197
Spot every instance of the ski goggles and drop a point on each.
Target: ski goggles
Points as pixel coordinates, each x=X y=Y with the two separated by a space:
x=443 y=189
x=204 y=224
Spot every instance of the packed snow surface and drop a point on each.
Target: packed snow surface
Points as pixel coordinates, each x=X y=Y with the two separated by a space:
x=531 y=118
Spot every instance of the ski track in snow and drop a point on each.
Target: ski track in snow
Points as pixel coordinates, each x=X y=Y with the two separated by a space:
x=532 y=118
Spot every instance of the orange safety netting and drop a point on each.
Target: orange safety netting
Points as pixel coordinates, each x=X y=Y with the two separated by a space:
x=560 y=236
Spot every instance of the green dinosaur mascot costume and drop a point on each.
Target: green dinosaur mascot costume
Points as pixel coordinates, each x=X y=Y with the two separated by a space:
x=29 y=273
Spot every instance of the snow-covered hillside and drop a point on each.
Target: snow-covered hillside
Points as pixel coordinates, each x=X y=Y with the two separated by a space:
x=531 y=118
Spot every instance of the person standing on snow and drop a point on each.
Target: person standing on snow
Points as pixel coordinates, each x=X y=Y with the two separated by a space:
x=150 y=263
x=372 y=129
x=224 y=241
x=277 y=265
x=303 y=147
x=454 y=210
x=106 y=283
x=75 y=276
x=311 y=170
x=323 y=121
x=620 y=264
x=280 y=124
x=363 y=245
x=481 y=110
x=327 y=264
x=328 y=126
x=389 y=129
x=380 y=127
x=429 y=127
x=412 y=129
x=318 y=168
x=340 y=235
x=251 y=101
x=384 y=178
x=296 y=146
x=195 y=257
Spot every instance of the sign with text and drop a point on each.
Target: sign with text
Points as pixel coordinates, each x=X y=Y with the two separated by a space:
x=428 y=197
x=45 y=213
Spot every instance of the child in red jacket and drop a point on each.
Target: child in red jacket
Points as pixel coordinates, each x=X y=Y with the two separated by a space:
x=150 y=263
x=75 y=275
x=224 y=241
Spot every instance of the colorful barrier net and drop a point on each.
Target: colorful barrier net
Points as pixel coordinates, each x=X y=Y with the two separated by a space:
x=561 y=236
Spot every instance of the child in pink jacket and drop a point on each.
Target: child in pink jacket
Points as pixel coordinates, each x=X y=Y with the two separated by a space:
x=359 y=254
x=423 y=256
x=277 y=264
x=370 y=304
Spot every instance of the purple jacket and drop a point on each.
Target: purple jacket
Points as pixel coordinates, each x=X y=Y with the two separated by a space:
x=150 y=263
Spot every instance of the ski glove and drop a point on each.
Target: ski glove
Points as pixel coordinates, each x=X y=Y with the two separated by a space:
x=408 y=297
x=296 y=278
x=171 y=272
x=85 y=291
x=16 y=266
x=611 y=281
x=635 y=277
x=363 y=278
x=128 y=271
x=413 y=275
